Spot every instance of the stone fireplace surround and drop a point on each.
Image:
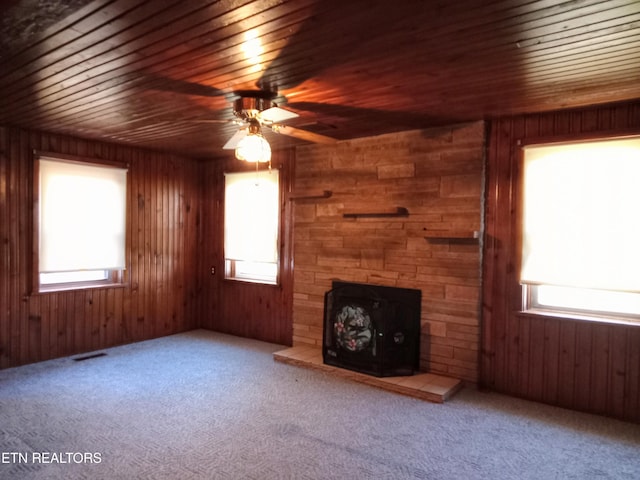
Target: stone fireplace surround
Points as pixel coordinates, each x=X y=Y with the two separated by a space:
x=417 y=200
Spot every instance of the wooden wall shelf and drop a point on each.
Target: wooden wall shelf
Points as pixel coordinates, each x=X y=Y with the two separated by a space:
x=311 y=195
x=392 y=212
x=452 y=235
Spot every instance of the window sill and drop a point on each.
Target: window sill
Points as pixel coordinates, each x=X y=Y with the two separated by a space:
x=77 y=286
x=251 y=282
x=582 y=317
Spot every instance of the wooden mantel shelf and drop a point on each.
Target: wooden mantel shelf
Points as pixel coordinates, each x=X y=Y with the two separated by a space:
x=378 y=212
x=452 y=235
x=310 y=195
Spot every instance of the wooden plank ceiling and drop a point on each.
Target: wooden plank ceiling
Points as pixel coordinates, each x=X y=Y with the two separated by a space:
x=146 y=72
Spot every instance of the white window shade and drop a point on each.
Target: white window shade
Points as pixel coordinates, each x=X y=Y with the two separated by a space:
x=251 y=216
x=581 y=220
x=82 y=216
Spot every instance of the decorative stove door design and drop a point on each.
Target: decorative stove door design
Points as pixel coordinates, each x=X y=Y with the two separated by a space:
x=372 y=329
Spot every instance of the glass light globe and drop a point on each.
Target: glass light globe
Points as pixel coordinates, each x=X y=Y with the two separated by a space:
x=253 y=148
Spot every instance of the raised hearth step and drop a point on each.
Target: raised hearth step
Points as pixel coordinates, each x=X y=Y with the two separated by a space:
x=425 y=386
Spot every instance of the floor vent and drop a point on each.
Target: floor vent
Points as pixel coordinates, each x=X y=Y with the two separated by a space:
x=90 y=356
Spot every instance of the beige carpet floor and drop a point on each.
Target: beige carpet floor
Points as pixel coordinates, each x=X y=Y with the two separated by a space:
x=203 y=405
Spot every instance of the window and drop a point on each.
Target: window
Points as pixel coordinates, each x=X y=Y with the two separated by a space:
x=251 y=226
x=581 y=227
x=80 y=224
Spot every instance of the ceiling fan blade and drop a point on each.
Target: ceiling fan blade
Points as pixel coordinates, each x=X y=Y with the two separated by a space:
x=277 y=115
x=184 y=87
x=303 y=134
x=196 y=120
x=232 y=143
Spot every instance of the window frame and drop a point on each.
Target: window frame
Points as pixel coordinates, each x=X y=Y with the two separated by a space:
x=229 y=265
x=529 y=304
x=114 y=277
x=230 y=273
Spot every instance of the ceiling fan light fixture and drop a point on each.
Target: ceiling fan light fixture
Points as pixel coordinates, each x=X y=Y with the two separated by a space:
x=253 y=148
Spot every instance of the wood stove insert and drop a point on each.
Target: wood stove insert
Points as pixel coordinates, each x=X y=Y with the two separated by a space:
x=372 y=329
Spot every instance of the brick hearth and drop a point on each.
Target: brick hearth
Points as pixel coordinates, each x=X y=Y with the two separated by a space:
x=425 y=386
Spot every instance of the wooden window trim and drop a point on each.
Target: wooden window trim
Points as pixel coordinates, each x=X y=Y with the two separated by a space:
x=527 y=307
x=116 y=278
x=229 y=274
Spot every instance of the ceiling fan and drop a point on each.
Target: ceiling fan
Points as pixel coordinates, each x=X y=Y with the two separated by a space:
x=255 y=109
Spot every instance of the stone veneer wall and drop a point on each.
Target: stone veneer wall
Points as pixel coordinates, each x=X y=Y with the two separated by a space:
x=437 y=175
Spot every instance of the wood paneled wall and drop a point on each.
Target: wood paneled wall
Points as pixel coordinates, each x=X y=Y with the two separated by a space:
x=240 y=308
x=162 y=241
x=437 y=175
x=175 y=237
x=587 y=366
